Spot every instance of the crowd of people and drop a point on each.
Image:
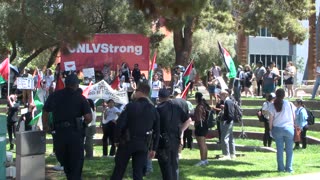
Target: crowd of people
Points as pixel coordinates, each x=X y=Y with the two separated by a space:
x=156 y=121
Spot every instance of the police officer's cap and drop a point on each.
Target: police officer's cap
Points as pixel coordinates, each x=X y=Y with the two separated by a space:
x=164 y=93
x=71 y=79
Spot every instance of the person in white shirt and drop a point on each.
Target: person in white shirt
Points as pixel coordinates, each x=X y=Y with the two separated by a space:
x=90 y=132
x=155 y=88
x=108 y=124
x=216 y=70
x=281 y=122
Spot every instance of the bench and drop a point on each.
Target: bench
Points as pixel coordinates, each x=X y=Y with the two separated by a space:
x=307 y=87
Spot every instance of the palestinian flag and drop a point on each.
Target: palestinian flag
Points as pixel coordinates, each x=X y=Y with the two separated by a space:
x=2 y=81
x=186 y=74
x=35 y=119
x=185 y=91
x=4 y=70
x=152 y=68
x=60 y=84
x=228 y=61
x=86 y=91
x=115 y=83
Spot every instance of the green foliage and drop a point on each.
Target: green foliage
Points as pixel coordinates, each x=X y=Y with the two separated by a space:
x=205 y=50
x=280 y=17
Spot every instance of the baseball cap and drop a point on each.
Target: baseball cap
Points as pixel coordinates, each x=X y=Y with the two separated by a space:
x=273 y=95
x=164 y=93
x=71 y=79
x=177 y=90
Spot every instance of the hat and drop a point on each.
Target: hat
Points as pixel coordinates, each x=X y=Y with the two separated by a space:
x=177 y=90
x=164 y=93
x=71 y=79
x=273 y=95
x=240 y=66
x=259 y=62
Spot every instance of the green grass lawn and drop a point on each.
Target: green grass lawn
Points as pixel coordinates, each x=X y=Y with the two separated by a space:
x=250 y=165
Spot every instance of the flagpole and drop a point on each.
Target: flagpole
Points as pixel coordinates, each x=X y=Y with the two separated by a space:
x=9 y=74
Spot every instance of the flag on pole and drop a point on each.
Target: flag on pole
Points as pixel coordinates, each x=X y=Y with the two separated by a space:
x=115 y=83
x=152 y=68
x=228 y=61
x=185 y=91
x=187 y=72
x=4 y=69
x=60 y=84
x=86 y=91
x=37 y=102
x=35 y=119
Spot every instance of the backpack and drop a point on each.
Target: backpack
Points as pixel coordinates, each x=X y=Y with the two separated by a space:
x=261 y=116
x=310 y=118
x=237 y=117
x=210 y=118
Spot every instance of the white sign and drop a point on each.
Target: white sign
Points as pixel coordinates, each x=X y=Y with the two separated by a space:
x=25 y=83
x=88 y=75
x=102 y=90
x=70 y=66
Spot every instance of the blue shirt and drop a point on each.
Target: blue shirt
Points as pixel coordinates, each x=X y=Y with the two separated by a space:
x=301 y=117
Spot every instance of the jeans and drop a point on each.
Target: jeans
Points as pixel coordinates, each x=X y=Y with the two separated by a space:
x=228 y=145
x=88 y=143
x=315 y=87
x=284 y=136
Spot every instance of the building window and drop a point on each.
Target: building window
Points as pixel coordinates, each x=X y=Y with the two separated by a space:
x=264 y=32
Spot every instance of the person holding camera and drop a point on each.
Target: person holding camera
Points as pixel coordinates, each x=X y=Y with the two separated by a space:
x=136 y=133
x=173 y=121
x=70 y=110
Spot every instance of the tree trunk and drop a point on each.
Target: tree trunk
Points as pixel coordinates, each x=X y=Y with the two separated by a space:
x=242 y=48
x=24 y=63
x=318 y=40
x=53 y=56
x=182 y=40
x=13 y=52
x=312 y=51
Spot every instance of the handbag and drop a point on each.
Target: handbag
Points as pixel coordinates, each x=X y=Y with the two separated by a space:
x=297 y=133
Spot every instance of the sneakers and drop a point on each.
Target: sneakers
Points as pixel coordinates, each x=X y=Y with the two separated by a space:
x=233 y=156
x=58 y=167
x=202 y=163
x=225 y=158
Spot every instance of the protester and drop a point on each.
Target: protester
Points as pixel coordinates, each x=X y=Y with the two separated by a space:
x=48 y=80
x=12 y=118
x=143 y=79
x=216 y=71
x=219 y=114
x=227 y=140
x=108 y=125
x=317 y=83
x=132 y=86
x=26 y=93
x=238 y=84
x=268 y=83
x=282 y=128
x=177 y=83
x=155 y=87
x=258 y=73
x=301 y=123
x=289 y=74
x=192 y=79
x=136 y=127
x=274 y=69
x=173 y=122
x=68 y=108
x=212 y=89
x=248 y=77
x=201 y=127
x=90 y=132
x=136 y=74
x=125 y=71
x=29 y=116
x=267 y=139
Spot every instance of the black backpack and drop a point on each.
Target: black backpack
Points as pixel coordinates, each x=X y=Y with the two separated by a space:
x=210 y=118
x=310 y=118
x=237 y=117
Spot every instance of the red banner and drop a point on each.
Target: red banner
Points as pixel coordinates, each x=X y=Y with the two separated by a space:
x=109 y=49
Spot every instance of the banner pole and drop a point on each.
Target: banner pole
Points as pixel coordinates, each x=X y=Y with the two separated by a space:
x=9 y=74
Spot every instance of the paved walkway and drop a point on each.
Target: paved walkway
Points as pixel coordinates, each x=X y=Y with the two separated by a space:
x=311 y=176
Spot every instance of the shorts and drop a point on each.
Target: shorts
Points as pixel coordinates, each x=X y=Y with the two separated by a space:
x=289 y=80
x=211 y=89
x=201 y=130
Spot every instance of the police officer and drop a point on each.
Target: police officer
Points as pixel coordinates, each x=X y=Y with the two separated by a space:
x=68 y=107
x=172 y=118
x=136 y=126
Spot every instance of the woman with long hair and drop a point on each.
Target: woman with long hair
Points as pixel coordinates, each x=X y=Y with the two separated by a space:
x=282 y=115
x=201 y=127
x=302 y=123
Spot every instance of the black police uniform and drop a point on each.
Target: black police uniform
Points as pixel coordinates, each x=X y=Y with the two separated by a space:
x=66 y=106
x=171 y=118
x=132 y=132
